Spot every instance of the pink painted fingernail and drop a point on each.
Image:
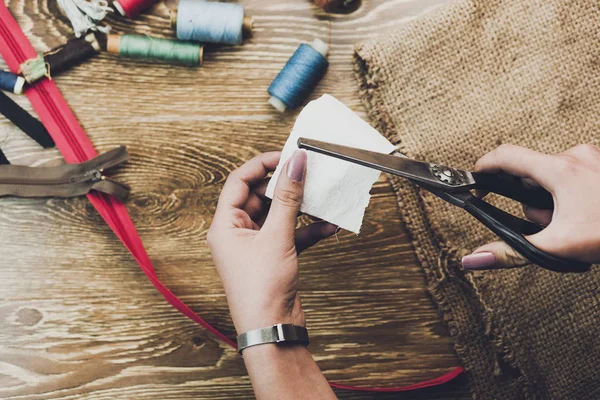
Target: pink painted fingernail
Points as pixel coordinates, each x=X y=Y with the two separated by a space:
x=297 y=165
x=482 y=260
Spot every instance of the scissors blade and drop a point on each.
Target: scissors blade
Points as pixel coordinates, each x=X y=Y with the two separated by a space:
x=416 y=171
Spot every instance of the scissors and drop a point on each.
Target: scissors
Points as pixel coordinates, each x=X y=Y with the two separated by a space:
x=454 y=186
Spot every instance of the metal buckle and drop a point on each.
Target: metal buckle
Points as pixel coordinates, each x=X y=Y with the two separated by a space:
x=285 y=333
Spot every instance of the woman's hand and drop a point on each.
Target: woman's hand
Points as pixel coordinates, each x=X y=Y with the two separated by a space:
x=573 y=227
x=255 y=246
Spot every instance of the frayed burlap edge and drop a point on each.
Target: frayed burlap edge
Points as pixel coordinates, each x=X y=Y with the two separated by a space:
x=481 y=347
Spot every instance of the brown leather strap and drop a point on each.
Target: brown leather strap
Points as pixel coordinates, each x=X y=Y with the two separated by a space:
x=68 y=180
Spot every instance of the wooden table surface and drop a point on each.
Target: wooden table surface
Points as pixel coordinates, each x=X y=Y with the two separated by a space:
x=79 y=320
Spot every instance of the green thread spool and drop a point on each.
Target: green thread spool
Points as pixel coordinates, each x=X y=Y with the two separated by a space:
x=34 y=69
x=137 y=46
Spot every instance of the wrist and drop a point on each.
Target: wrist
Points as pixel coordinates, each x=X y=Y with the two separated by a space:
x=280 y=334
x=285 y=372
x=249 y=318
x=272 y=351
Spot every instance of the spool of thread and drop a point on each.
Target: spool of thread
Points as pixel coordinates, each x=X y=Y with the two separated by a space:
x=299 y=76
x=72 y=53
x=11 y=82
x=34 y=69
x=211 y=22
x=132 y=8
x=137 y=46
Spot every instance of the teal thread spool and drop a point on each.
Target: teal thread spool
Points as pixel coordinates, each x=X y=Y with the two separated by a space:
x=299 y=76
x=137 y=46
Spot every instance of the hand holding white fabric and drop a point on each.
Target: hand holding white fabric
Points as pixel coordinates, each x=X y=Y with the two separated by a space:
x=336 y=191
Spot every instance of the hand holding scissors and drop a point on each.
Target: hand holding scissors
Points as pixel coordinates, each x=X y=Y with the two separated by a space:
x=571 y=240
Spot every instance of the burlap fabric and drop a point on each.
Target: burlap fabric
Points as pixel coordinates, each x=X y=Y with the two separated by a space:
x=450 y=87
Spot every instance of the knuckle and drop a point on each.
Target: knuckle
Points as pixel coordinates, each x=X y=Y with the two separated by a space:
x=514 y=258
x=565 y=166
x=504 y=150
x=586 y=150
x=235 y=174
x=500 y=153
x=288 y=197
x=494 y=158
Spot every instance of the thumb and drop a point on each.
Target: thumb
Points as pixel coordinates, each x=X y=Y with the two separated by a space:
x=288 y=195
x=494 y=255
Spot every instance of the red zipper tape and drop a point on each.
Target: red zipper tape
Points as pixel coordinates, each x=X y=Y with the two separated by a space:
x=76 y=147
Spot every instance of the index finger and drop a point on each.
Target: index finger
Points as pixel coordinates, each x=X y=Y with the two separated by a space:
x=239 y=183
x=517 y=161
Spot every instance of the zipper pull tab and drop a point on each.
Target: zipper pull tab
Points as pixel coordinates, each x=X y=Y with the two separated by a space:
x=108 y=186
x=94 y=175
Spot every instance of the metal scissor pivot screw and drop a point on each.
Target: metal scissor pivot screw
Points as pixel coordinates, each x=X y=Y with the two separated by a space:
x=447 y=174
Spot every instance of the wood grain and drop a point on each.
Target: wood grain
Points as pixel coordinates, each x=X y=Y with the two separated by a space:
x=78 y=319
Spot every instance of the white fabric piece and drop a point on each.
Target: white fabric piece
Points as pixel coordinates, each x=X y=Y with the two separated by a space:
x=336 y=191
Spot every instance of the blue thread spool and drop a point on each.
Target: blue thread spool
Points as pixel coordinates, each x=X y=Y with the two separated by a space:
x=299 y=76
x=11 y=82
x=211 y=22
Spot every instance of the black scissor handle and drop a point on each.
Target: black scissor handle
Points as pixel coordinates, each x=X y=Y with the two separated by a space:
x=511 y=229
x=514 y=188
